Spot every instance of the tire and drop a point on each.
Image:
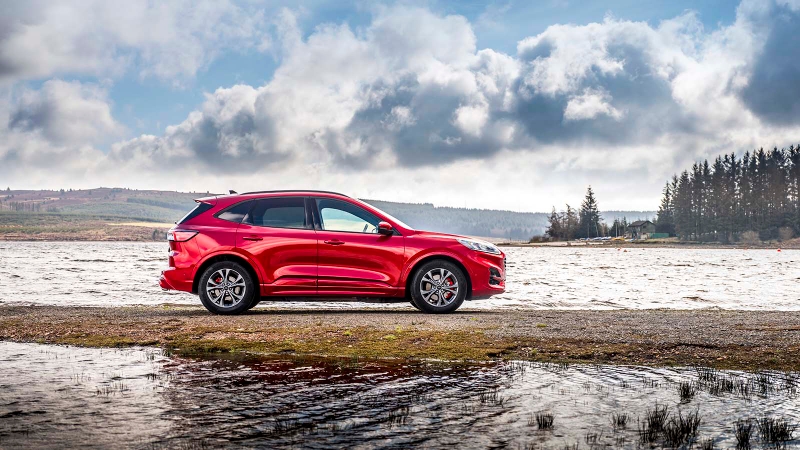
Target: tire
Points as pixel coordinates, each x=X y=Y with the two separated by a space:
x=414 y=305
x=433 y=298
x=255 y=303
x=235 y=297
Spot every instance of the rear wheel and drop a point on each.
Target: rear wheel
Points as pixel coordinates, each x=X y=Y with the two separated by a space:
x=438 y=287
x=226 y=287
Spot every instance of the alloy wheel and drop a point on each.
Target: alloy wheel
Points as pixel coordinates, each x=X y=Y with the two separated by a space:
x=439 y=287
x=226 y=288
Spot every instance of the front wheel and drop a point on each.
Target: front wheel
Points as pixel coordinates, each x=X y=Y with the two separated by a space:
x=438 y=287
x=255 y=303
x=226 y=287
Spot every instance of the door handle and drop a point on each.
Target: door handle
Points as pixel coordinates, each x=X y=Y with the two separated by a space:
x=334 y=242
x=251 y=238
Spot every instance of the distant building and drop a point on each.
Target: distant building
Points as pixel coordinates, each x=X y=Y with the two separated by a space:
x=641 y=229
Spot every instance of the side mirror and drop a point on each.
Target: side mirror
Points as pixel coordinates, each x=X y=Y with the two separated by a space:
x=385 y=228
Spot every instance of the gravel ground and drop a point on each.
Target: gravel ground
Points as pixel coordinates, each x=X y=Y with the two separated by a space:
x=725 y=339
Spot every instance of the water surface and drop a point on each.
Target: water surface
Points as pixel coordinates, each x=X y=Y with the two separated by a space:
x=119 y=273
x=55 y=396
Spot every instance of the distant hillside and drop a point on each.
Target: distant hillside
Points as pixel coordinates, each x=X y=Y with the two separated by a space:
x=160 y=206
x=473 y=222
x=169 y=206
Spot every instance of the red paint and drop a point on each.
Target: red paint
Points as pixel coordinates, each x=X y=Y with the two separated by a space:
x=312 y=261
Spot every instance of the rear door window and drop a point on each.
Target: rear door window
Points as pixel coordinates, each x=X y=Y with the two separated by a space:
x=285 y=212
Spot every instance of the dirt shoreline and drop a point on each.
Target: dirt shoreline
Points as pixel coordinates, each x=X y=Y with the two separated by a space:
x=745 y=340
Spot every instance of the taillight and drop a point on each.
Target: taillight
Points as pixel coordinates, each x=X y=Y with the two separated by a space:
x=180 y=235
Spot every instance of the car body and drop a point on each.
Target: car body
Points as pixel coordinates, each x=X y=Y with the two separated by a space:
x=300 y=244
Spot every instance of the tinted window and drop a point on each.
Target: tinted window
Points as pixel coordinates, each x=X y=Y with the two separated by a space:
x=199 y=209
x=279 y=213
x=236 y=212
x=337 y=215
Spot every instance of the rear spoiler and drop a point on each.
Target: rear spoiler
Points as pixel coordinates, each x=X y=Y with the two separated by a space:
x=208 y=200
x=212 y=200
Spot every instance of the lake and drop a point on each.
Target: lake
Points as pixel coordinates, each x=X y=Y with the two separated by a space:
x=59 y=396
x=119 y=273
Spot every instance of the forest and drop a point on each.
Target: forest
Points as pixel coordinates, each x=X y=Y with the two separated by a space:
x=751 y=198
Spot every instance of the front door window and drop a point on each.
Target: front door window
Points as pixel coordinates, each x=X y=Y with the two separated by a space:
x=337 y=215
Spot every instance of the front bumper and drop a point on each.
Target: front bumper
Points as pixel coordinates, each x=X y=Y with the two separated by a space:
x=487 y=274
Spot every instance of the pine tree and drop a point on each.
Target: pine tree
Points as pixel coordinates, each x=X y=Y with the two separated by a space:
x=589 y=216
x=684 y=216
x=665 y=221
x=555 y=229
x=794 y=187
x=571 y=223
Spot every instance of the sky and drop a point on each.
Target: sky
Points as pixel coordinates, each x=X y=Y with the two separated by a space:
x=504 y=105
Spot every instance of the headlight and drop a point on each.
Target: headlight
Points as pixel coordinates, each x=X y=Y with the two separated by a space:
x=479 y=246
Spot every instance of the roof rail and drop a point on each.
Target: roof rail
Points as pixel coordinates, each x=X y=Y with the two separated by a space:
x=295 y=190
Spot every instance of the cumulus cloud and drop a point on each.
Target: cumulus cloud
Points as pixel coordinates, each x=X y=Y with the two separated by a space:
x=410 y=96
x=65 y=113
x=589 y=105
x=168 y=40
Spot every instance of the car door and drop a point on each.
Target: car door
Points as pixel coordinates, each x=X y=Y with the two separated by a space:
x=353 y=258
x=279 y=235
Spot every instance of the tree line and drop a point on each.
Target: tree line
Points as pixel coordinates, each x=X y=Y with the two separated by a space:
x=585 y=222
x=755 y=197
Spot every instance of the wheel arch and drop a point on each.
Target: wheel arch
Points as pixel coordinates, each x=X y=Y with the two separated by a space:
x=225 y=257
x=428 y=258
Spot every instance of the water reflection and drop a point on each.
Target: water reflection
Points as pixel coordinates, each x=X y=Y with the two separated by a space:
x=59 y=396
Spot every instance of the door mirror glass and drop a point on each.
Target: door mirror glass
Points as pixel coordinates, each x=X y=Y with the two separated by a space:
x=385 y=228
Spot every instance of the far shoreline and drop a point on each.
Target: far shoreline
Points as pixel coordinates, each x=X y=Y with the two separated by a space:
x=790 y=245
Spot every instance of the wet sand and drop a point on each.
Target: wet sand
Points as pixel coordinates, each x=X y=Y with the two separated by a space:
x=746 y=340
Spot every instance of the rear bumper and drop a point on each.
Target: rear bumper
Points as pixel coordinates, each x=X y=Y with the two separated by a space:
x=175 y=280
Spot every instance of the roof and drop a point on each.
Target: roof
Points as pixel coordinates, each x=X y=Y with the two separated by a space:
x=640 y=223
x=293 y=191
x=212 y=199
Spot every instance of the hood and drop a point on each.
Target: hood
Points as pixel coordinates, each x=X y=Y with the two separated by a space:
x=435 y=234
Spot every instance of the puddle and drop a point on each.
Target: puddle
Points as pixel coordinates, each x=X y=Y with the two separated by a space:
x=55 y=396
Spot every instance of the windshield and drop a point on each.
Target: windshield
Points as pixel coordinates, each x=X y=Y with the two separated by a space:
x=388 y=216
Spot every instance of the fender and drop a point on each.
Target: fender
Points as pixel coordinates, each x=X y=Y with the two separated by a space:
x=232 y=251
x=412 y=262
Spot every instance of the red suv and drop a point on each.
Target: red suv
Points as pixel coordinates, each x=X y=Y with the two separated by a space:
x=236 y=250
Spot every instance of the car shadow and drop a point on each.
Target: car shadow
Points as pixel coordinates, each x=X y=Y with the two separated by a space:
x=350 y=311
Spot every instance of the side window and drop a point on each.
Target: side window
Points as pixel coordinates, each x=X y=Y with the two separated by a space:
x=236 y=212
x=337 y=215
x=287 y=212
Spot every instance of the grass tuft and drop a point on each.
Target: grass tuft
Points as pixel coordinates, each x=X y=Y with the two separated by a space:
x=544 y=420
x=775 y=431
x=743 y=431
x=619 y=420
x=687 y=391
